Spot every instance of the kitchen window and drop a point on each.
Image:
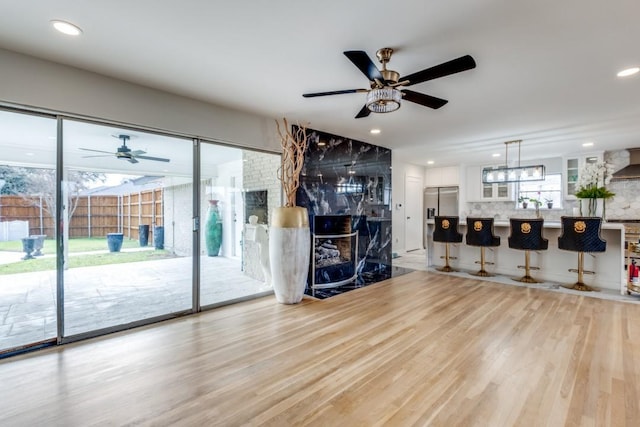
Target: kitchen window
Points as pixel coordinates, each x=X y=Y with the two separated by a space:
x=548 y=192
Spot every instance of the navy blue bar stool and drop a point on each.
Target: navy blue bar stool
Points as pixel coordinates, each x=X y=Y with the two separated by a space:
x=526 y=235
x=581 y=234
x=480 y=233
x=446 y=231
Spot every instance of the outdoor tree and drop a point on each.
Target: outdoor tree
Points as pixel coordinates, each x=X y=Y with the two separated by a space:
x=41 y=184
x=14 y=180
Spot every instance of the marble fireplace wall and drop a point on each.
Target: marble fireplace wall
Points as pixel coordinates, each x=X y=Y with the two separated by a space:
x=342 y=176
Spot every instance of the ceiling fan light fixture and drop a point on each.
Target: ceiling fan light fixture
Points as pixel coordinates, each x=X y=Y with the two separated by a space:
x=383 y=100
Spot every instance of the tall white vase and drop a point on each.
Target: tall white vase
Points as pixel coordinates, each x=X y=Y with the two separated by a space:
x=289 y=251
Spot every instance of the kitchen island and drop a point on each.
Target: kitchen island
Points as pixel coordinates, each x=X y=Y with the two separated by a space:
x=554 y=263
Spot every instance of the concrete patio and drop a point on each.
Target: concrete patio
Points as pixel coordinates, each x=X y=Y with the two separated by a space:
x=103 y=296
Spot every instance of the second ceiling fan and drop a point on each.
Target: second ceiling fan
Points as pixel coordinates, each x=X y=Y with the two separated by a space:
x=388 y=88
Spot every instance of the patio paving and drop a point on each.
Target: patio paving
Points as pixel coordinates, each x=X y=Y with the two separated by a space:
x=108 y=295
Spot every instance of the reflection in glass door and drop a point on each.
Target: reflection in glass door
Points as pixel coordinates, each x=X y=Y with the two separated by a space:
x=27 y=230
x=236 y=186
x=128 y=235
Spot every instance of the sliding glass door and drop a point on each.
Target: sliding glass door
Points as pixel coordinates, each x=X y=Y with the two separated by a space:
x=27 y=229
x=236 y=185
x=128 y=226
x=104 y=227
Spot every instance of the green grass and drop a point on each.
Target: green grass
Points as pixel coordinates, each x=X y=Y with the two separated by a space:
x=82 y=244
x=43 y=264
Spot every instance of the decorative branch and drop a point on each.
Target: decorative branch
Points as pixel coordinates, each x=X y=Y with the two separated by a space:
x=294 y=144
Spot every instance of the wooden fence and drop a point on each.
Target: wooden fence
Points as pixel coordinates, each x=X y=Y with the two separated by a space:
x=94 y=216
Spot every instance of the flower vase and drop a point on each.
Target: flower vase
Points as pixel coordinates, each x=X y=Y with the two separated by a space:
x=213 y=229
x=592 y=207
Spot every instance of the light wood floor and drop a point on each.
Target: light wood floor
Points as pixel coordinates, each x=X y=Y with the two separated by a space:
x=419 y=349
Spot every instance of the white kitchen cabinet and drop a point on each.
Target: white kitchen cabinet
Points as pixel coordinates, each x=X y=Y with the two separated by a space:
x=444 y=176
x=479 y=192
x=572 y=165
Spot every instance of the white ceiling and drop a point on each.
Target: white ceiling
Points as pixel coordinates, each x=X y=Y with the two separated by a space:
x=546 y=70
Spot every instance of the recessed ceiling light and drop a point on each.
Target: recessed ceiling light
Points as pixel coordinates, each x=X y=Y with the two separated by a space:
x=66 y=28
x=628 y=72
x=495 y=155
x=430 y=162
x=375 y=131
x=588 y=144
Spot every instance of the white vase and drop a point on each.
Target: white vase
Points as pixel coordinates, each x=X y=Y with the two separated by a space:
x=289 y=252
x=592 y=207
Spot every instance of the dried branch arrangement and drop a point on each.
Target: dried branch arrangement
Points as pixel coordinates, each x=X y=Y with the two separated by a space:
x=294 y=144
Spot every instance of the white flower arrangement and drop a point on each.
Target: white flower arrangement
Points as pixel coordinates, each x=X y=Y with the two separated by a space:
x=593 y=179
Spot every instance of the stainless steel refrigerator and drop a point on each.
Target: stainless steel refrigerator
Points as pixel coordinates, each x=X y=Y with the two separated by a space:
x=440 y=201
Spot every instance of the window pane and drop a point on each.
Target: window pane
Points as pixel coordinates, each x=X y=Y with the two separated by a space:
x=547 y=192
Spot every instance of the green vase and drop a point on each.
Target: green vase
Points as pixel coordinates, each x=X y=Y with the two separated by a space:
x=213 y=229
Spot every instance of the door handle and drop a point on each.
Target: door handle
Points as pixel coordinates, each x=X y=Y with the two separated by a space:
x=408 y=217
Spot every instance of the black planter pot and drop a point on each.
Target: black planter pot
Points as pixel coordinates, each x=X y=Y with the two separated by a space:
x=38 y=243
x=143 y=235
x=28 y=243
x=114 y=241
x=158 y=237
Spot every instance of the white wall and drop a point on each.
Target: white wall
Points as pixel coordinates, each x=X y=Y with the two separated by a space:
x=399 y=172
x=34 y=82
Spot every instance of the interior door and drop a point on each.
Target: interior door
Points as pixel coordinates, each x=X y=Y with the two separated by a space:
x=413 y=209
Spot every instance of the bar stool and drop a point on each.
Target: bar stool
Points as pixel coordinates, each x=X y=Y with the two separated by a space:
x=581 y=234
x=480 y=233
x=446 y=231
x=526 y=235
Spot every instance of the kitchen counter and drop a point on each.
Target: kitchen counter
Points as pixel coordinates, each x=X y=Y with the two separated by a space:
x=554 y=262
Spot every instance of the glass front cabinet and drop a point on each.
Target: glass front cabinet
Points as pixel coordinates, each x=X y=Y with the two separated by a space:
x=500 y=191
x=572 y=167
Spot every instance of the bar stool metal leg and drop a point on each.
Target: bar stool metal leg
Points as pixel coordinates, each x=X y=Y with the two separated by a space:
x=482 y=272
x=446 y=268
x=580 y=285
x=527 y=278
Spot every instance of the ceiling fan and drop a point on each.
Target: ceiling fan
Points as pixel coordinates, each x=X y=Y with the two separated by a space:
x=125 y=152
x=388 y=88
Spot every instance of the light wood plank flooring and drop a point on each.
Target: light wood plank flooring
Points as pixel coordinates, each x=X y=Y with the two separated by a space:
x=419 y=349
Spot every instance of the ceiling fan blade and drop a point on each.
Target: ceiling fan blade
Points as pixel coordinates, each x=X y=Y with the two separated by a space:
x=132 y=160
x=422 y=99
x=138 y=152
x=99 y=155
x=157 y=159
x=97 y=151
x=334 y=92
x=446 y=68
x=361 y=60
x=364 y=112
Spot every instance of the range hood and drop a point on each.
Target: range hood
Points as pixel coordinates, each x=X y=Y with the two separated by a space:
x=632 y=171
